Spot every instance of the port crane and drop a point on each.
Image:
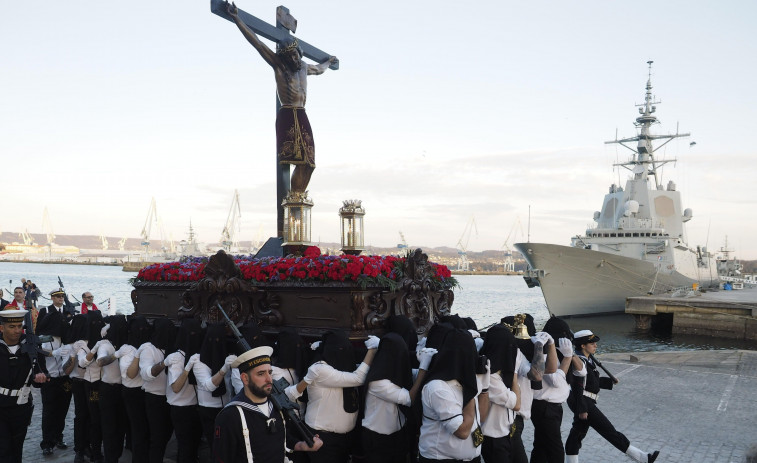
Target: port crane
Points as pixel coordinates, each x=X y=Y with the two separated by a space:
x=152 y=218
x=229 y=233
x=122 y=243
x=509 y=262
x=26 y=237
x=47 y=226
x=462 y=245
x=402 y=244
x=103 y=241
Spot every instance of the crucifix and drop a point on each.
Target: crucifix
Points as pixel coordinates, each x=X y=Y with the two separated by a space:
x=294 y=137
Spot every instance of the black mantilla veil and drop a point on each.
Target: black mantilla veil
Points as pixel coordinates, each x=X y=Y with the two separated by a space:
x=454 y=320
x=558 y=328
x=189 y=340
x=78 y=330
x=470 y=323
x=289 y=351
x=118 y=332
x=501 y=349
x=53 y=324
x=404 y=327
x=456 y=359
x=95 y=325
x=163 y=335
x=437 y=333
x=391 y=362
x=213 y=352
x=336 y=350
x=253 y=335
x=140 y=331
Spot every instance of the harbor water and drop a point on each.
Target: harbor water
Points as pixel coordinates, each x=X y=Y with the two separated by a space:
x=485 y=298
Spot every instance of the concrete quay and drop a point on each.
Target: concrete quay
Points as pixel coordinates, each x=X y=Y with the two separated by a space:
x=694 y=406
x=726 y=314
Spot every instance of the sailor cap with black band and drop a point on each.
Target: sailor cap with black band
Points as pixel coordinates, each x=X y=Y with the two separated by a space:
x=57 y=292
x=12 y=316
x=253 y=358
x=584 y=337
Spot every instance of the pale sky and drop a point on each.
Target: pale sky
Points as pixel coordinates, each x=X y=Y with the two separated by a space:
x=440 y=111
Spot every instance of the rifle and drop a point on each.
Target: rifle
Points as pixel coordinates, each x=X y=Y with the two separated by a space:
x=279 y=398
x=599 y=364
x=70 y=306
x=31 y=346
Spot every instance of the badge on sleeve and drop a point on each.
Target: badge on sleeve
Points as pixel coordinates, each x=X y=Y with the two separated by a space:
x=217 y=433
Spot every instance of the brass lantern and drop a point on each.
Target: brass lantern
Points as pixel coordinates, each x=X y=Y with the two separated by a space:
x=297 y=209
x=351 y=214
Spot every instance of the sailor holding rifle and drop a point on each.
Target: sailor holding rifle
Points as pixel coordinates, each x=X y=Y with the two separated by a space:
x=249 y=427
x=583 y=403
x=20 y=368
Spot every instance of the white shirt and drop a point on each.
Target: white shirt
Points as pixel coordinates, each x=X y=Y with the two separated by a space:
x=382 y=415
x=205 y=387
x=53 y=363
x=522 y=367
x=501 y=415
x=442 y=416
x=77 y=372
x=555 y=388
x=149 y=357
x=326 y=398
x=111 y=373
x=186 y=395
x=92 y=371
x=127 y=353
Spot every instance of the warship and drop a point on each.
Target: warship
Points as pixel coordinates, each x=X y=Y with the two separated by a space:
x=637 y=245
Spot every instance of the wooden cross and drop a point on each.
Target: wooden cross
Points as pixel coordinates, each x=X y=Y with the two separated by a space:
x=284 y=24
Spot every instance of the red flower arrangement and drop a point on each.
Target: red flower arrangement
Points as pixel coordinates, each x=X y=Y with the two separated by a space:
x=312 y=266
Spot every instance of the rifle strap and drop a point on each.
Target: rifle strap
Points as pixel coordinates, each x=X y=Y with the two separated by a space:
x=245 y=434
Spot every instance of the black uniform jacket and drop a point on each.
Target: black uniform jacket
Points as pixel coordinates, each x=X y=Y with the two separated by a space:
x=592 y=382
x=14 y=371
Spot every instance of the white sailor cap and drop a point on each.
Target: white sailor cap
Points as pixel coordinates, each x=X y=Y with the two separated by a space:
x=253 y=358
x=584 y=337
x=12 y=316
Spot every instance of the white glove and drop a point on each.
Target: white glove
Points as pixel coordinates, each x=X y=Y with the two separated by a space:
x=227 y=363
x=425 y=355
x=191 y=362
x=474 y=333
x=565 y=347
x=315 y=345
x=479 y=344
x=63 y=351
x=124 y=350
x=104 y=330
x=172 y=359
x=372 y=342
x=78 y=345
x=421 y=344
x=547 y=338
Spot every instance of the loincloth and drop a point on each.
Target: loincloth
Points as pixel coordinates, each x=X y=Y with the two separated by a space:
x=294 y=137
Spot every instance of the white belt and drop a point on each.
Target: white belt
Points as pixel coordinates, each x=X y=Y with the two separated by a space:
x=10 y=392
x=590 y=395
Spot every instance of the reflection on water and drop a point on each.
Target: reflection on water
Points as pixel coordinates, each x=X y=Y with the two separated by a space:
x=489 y=298
x=485 y=298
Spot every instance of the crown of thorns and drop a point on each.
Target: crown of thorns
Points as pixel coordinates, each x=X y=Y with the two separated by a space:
x=295 y=45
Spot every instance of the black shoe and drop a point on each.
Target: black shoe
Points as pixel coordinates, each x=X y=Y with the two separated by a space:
x=46 y=452
x=653 y=456
x=79 y=458
x=61 y=445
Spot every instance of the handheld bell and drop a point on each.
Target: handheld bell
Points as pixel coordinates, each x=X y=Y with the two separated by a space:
x=521 y=330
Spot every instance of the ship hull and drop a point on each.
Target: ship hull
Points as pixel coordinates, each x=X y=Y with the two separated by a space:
x=582 y=282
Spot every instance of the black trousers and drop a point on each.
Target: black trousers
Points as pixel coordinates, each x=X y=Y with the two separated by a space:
x=383 y=448
x=548 y=447
x=496 y=449
x=208 y=419
x=14 y=421
x=335 y=449
x=81 y=415
x=188 y=429
x=134 y=401
x=597 y=420
x=56 y=398
x=517 y=449
x=95 y=424
x=159 y=417
x=114 y=421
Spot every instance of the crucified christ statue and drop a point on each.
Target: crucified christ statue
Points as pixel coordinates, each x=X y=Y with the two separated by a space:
x=294 y=137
